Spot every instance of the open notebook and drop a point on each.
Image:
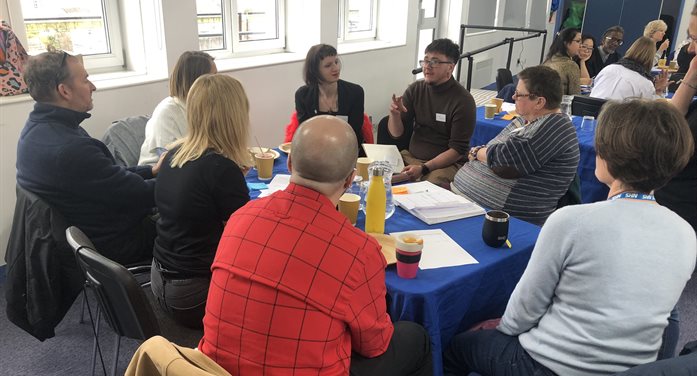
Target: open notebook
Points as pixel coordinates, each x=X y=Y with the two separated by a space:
x=433 y=204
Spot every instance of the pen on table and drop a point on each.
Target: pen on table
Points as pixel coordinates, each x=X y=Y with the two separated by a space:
x=508 y=243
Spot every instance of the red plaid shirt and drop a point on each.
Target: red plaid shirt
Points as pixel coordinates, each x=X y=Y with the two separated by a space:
x=295 y=289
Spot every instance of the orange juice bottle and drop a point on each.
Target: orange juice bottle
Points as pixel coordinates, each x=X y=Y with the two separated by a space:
x=376 y=203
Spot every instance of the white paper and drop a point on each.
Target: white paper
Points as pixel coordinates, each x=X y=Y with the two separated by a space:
x=278 y=183
x=433 y=204
x=507 y=107
x=440 y=250
x=388 y=153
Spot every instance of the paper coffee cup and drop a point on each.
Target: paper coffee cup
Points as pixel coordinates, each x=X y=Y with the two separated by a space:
x=489 y=111
x=498 y=102
x=362 y=167
x=264 y=163
x=661 y=62
x=673 y=64
x=348 y=206
x=408 y=251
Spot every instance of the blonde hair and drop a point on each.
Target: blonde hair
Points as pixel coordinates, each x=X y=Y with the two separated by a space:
x=654 y=26
x=642 y=51
x=217 y=113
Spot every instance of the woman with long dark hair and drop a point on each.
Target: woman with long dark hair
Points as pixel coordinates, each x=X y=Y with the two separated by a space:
x=566 y=46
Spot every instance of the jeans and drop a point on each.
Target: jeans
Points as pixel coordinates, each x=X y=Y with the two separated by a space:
x=409 y=353
x=490 y=352
x=184 y=299
x=670 y=336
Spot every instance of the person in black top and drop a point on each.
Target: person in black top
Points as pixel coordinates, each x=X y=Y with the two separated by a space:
x=607 y=53
x=680 y=194
x=325 y=93
x=200 y=185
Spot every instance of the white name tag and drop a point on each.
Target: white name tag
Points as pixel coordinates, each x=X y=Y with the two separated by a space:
x=343 y=117
x=440 y=117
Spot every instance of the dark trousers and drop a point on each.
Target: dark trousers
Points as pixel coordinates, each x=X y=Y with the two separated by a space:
x=409 y=353
x=184 y=299
x=490 y=352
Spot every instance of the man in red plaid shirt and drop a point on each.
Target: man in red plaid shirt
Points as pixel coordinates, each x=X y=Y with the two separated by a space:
x=296 y=289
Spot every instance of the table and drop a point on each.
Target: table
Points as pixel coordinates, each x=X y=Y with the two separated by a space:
x=592 y=190
x=447 y=301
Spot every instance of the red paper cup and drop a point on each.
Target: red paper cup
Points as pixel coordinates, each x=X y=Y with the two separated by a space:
x=408 y=255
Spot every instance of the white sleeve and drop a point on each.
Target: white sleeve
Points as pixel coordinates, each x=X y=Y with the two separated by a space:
x=167 y=124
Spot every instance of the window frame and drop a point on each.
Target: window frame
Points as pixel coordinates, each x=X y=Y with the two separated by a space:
x=105 y=62
x=345 y=36
x=233 y=47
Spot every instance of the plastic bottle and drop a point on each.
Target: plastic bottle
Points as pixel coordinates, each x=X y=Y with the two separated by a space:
x=376 y=202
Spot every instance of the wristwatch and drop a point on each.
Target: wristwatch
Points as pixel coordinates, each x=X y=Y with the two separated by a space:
x=424 y=169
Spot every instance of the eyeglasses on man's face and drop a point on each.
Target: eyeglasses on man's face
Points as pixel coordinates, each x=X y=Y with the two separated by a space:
x=60 y=69
x=433 y=63
x=617 y=41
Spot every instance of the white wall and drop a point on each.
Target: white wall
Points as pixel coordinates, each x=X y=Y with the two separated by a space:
x=269 y=88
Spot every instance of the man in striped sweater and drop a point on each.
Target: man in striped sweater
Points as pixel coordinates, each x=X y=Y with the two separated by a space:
x=530 y=164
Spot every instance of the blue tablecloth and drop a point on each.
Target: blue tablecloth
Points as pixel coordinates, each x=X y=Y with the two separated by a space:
x=447 y=301
x=591 y=189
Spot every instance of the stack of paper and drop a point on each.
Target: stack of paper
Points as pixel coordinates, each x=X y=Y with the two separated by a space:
x=433 y=204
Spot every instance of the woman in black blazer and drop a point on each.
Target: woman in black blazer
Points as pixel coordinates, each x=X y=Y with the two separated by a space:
x=325 y=93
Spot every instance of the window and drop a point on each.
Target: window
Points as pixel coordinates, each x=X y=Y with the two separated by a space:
x=241 y=25
x=482 y=13
x=86 y=27
x=357 y=19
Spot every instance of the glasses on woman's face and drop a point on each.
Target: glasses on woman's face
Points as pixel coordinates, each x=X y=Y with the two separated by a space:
x=516 y=94
x=586 y=48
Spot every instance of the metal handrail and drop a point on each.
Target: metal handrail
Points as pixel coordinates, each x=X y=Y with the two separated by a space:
x=469 y=55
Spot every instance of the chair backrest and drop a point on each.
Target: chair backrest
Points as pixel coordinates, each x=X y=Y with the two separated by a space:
x=384 y=137
x=503 y=78
x=121 y=297
x=124 y=139
x=586 y=106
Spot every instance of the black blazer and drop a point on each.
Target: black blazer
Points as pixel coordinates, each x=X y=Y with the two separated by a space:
x=595 y=64
x=351 y=104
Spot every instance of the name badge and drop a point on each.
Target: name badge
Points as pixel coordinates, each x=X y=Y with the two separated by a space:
x=343 y=117
x=440 y=117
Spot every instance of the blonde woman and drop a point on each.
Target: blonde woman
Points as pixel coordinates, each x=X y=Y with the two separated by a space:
x=168 y=121
x=201 y=183
x=656 y=30
x=630 y=77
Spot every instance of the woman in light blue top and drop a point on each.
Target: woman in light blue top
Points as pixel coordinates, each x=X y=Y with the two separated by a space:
x=603 y=278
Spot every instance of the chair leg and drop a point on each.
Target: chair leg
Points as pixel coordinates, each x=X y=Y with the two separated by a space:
x=117 y=345
x=95 y=331
x=82 y=307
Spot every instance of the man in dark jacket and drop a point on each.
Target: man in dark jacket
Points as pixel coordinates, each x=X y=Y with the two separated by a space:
x=606 y=53
x=75 y=173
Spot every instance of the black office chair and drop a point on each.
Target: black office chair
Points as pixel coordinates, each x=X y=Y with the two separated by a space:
x=384 y=137
x=121 y=298
x=503 y=78
x=572 y=195
x=586 y=106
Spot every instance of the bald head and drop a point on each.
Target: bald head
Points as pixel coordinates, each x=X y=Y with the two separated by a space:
x=324 y=150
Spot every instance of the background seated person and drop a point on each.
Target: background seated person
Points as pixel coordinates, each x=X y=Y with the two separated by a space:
x=607 y=53
x=585 y=51
x=565 y=46
x=75 y=173
x=325 y=93
x=603 y=277
x=656 y=31
x=530 y=164
x=443 y=115
x=631 y=76
x=200 y=185
x=296 y=289
x=168 y=121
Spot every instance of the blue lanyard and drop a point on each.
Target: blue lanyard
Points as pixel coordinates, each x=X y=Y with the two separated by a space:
x=634 y=195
